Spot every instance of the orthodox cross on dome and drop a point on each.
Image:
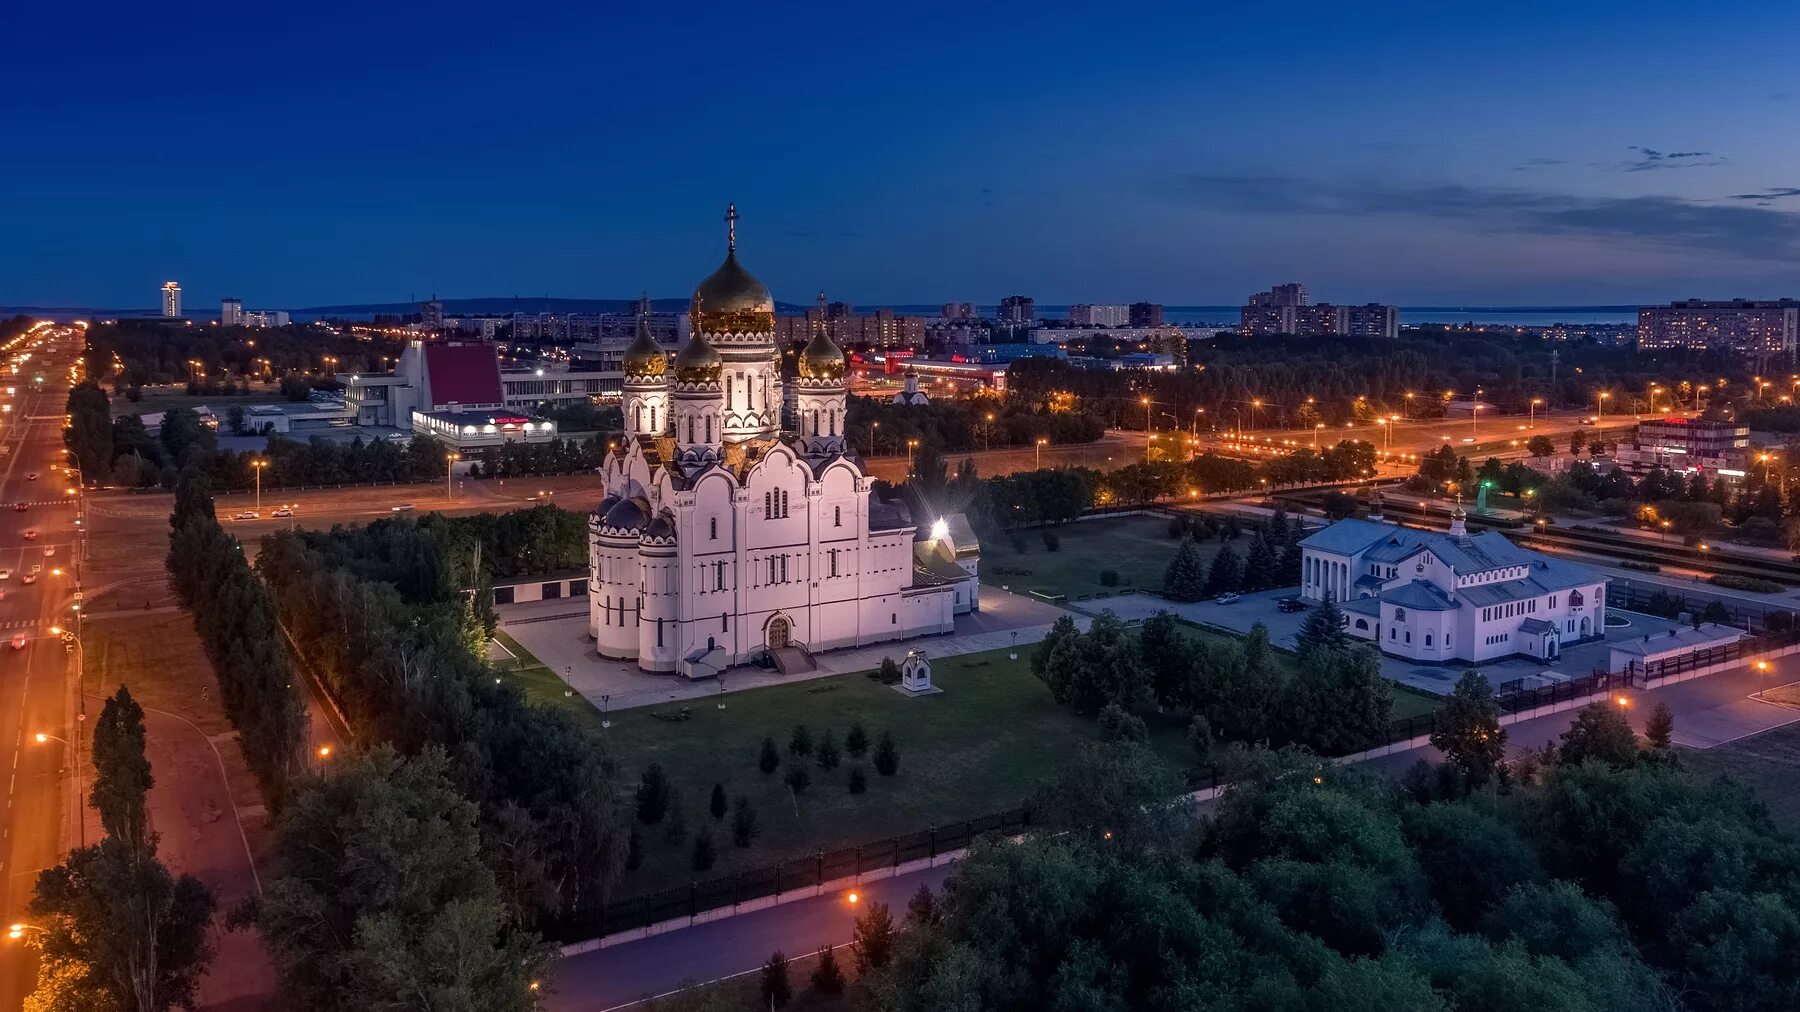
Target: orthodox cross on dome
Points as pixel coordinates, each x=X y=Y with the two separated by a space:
x=731 y=217
x=1459 y=508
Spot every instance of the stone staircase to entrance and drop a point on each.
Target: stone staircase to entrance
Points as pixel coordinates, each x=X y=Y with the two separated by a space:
x=793 y=659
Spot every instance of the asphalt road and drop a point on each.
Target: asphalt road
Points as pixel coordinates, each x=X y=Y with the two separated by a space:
x=35 y=690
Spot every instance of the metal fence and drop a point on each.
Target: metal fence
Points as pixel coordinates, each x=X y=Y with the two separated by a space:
x=800 y=873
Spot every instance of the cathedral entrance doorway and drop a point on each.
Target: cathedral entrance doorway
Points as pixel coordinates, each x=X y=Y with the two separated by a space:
x=778 y=633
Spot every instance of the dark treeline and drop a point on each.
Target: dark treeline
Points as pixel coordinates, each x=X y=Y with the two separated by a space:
x=1350 y=378
x=1598 y=874
x=129 y=354
x=962 y=425
x=385 y=618
x=235 y=618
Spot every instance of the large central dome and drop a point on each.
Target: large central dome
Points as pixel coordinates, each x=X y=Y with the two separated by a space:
x=731 y=300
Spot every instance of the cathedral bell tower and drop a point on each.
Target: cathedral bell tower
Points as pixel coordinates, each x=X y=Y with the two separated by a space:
x=819 y=394
x=734 y=313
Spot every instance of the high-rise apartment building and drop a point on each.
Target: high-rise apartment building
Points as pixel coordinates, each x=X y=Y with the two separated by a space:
x=1286 y=309
x=171 y=299
x=231 y=312
x=431 y=314
x=1750 y=327
x=1017 y=309
x=1084 y=315
x=881 y=329
x=959 y=310
x=1145 y=314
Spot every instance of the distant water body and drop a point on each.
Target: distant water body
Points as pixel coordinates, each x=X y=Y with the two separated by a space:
x=1523 y=316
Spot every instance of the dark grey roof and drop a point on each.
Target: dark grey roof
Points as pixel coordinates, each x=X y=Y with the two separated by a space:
x=629 y=514
x=1420 y=595
x=888 y=515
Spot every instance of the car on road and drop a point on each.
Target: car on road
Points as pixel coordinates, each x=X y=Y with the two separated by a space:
x=284 y=511
x=248 y=515
x=18 y=642
x=31 y=477
x=5 y=574
x=402 y=508
x=31 y=535
x=49 y=550
x=20 y=507
x=1227 y=598
x=28 y=578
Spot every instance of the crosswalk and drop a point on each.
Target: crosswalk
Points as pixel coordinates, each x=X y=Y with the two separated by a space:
x=70 y=501
x=25 y=623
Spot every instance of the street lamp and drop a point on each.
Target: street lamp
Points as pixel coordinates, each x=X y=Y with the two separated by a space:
x=911 y=445
x=1040 y=452
x=987 y=433
x=1600 y=400
x=256 y=467
x=42 y=738
x=1145 y=401
x=1316 y=427
x=450 y=460
x=874 y=430
x=1531 y=412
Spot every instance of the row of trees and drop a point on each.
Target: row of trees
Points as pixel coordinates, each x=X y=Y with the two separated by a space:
x=1273 y=560
x=236 y=622
x=1335 y=703
x=1600 y=876
x=389 y=626
x=963 y=424
x=133 y=353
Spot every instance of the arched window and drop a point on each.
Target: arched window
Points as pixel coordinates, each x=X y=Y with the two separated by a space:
x=769 y=505
x=709 y=428
x=1362 y=624
x=1427 y=639
x=637 y=417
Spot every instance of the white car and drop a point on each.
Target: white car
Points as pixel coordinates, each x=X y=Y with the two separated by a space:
x=249 y=515
x=5 y=574
x=49 y=550
x=1227 y=598
x=402 y=508
x=285 y=511
x=28 y=578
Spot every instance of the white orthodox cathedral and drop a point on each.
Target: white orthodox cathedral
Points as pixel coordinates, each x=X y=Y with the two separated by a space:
x=726 y=537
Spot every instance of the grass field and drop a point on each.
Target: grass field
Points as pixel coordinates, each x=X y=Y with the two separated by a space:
x=1138 y=548
x=1768 y=763
x=164 y=399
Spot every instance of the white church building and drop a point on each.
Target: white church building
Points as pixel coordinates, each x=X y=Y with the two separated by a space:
x=725 y=538
x=1449 y=597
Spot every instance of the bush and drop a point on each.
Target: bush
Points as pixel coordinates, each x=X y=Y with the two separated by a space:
x=1642 y=567
x=859 y=781
x=770 y=757
x=703 y=851
x=653 y=795
x=634 y=850
x=743 y=822
x=1018 y=542
x=1178 y=527
x=887 y=755
x=888 y=673
x=1750 y=583
x=797 y=779
x=1109 y=578
x=1051 y=541
x=827 y=752
x=717 y=807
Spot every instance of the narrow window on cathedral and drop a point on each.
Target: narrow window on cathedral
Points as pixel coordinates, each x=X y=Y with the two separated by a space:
x=837 y=516
x=768 y=505
x=712 y=528
x=637 y=416
x=784 y=577
x=690 y=428
x=722 y=617
x=709 y=428
x=771 y=569
x=659 y=632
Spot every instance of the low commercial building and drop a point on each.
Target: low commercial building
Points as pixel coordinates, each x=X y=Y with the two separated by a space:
x=1449 y=597
x=462 y=375
x=1685 y=445
x=463 y=431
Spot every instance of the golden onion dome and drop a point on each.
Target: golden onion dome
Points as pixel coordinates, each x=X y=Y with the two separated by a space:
x=645 y=357
x=731 y=300
x=698 y=361
x=821 y=359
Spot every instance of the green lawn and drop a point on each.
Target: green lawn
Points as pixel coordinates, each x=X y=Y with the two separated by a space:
x=1768 y=763
x=982 y=746
x=165 y=400
x=1138 y=548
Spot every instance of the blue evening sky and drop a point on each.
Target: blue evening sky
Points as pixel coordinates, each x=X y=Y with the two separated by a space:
x=295 y=154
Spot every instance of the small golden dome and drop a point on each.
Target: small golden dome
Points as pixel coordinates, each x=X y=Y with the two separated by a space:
x=821 y=359
x=698 y=361
x=645 y=357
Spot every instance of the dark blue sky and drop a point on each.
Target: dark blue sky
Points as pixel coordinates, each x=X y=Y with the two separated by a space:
x=297 y=154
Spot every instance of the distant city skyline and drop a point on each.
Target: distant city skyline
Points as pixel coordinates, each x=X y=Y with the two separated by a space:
x=1593 y=154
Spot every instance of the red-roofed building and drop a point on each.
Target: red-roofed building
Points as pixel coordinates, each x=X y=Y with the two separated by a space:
x=458 y=376
x=461 y=374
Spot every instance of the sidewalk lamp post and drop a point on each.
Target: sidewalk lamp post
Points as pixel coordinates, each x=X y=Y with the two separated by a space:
x=1255 y=402
x=987 y=433
x=605 y=710
x=1600 y=400
x=1316 y=427
x=874 y=430
x=911 y=445
x=1145 y=401
x=81 y=820
x=1531 y=412
x=1040 y=452
x=450 y=460
x=256 y=468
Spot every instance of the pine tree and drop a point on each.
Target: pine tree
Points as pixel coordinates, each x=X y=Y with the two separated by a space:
x=922 y=909
x=776 y=992
x=1659 y=730
x=856 y=743
x=1227 y=573
x=675 y=826
x=770 y=757
x=653 y=795
x=887 y=755
x=703 y=851
x=859 y=781
x=827 y=751
x=717 y=807
x=801 y=744
x=828 y=978
x=1185 y=579
x=634 y=850
x=1322 y=630
x=1260 y=565
x=743 y=822
x=1288 y=570
x=797 y=779
x=873 y=937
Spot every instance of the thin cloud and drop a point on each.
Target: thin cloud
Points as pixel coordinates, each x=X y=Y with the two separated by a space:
x=1769 y=196
x=1650 y=159
x=1735 y=229
x=1535 y=164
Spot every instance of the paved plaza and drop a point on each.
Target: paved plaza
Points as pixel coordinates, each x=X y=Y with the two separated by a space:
x=1437 y=679
x=555 y=632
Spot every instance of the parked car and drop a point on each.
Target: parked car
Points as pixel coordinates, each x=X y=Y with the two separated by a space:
x=5 y=574
x=31 y=477
x=31 y=535
x=18 y=642
x=1290 y=604
x=1227 y=598
x=49 y=550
